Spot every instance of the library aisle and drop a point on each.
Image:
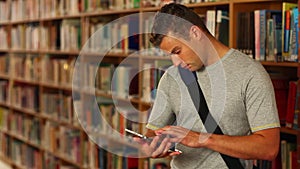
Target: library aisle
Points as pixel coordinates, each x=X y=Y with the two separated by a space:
x=39 y=126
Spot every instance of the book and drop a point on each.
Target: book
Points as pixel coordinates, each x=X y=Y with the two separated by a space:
x=257 y=34
x=4 y=10
x=3 y=36
x=4 y=112
x=262 y=34
x=4 y=64
x=131 y=163
x=246 y=34
x=281 y=86
x=286 y=16
x=222 y=27
x=125 y=81
x=152 y=72
x=133 y=32
x=277 y=20
x=293 y=46
x=287 y=29
x=270 y=44
x=105 y=73
x=264 y=22
x=211 y=21
x=70 y=35
x=287 y=149
x=291 y=103
x=4 y=98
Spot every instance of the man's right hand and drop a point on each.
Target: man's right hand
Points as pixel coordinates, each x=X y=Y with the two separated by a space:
x=156 y=147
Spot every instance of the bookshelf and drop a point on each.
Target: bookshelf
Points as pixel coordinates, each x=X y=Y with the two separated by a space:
x=36 y=76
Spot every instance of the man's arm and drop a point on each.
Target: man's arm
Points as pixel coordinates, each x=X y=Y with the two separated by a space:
x=262 y=144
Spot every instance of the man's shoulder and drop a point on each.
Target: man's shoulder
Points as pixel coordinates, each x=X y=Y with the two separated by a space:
x=172 y=71
x=171 y=76
x=244 y=62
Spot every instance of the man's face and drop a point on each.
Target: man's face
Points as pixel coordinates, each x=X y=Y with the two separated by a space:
x=181 y=53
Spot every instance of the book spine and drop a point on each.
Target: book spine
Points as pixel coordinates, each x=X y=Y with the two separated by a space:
x=257 y=34
x=291 y=104
x=262 y=22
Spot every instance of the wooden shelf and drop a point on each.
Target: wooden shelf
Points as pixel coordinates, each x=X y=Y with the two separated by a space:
x=25 y=110
x=60 y=17
x=23 y=139
x=193 y=5
x=4 y=76
x=109 y=54
x=4 y=104
x=24 y=21
x=27 y=81
x=281 y=64
x=289 y=131
x=60 y=52
x=60 y=122
x=111 y=12
x=43 y=51
x=208 y=4
x=155 y=58
x=113 y=141
x=255 y=1
x=66 y=159
x=109 y=95
x=24 y=51
x=27 y=141
x=79 y=15
x=150 y=9
x=4 y=50
x=4 y=23
x=67 y=87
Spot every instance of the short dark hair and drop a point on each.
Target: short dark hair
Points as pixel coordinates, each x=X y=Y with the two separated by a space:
x=177 y=19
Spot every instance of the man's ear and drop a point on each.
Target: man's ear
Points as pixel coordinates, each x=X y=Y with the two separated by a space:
x=195 y=32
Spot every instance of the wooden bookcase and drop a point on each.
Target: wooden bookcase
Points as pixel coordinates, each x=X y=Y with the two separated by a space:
x=44 y=89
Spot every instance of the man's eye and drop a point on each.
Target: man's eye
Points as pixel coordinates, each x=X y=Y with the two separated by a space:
x=177 y=52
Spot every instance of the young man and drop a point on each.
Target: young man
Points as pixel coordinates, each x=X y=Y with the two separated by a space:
x=238 y=92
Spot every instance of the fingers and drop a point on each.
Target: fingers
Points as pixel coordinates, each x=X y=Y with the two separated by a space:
x=171 y=130
x=160 y=145
x=175 y=153
x=162 y=148
x=156 y=147
x=154 y=143
x=176 y=133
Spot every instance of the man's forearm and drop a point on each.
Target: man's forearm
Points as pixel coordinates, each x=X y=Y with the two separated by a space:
x=260 y=145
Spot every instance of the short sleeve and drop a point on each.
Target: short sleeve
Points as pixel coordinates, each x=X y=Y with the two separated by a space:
x=260 y=101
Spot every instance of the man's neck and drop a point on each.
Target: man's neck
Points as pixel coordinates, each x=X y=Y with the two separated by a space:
x=219 y=49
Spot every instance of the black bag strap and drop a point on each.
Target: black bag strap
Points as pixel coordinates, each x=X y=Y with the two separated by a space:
x=190 y=80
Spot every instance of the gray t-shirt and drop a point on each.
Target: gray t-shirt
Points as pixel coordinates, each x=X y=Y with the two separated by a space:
x=239 y=94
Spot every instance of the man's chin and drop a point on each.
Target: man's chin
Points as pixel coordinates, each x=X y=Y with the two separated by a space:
x=187 y=68
x=191 y=69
